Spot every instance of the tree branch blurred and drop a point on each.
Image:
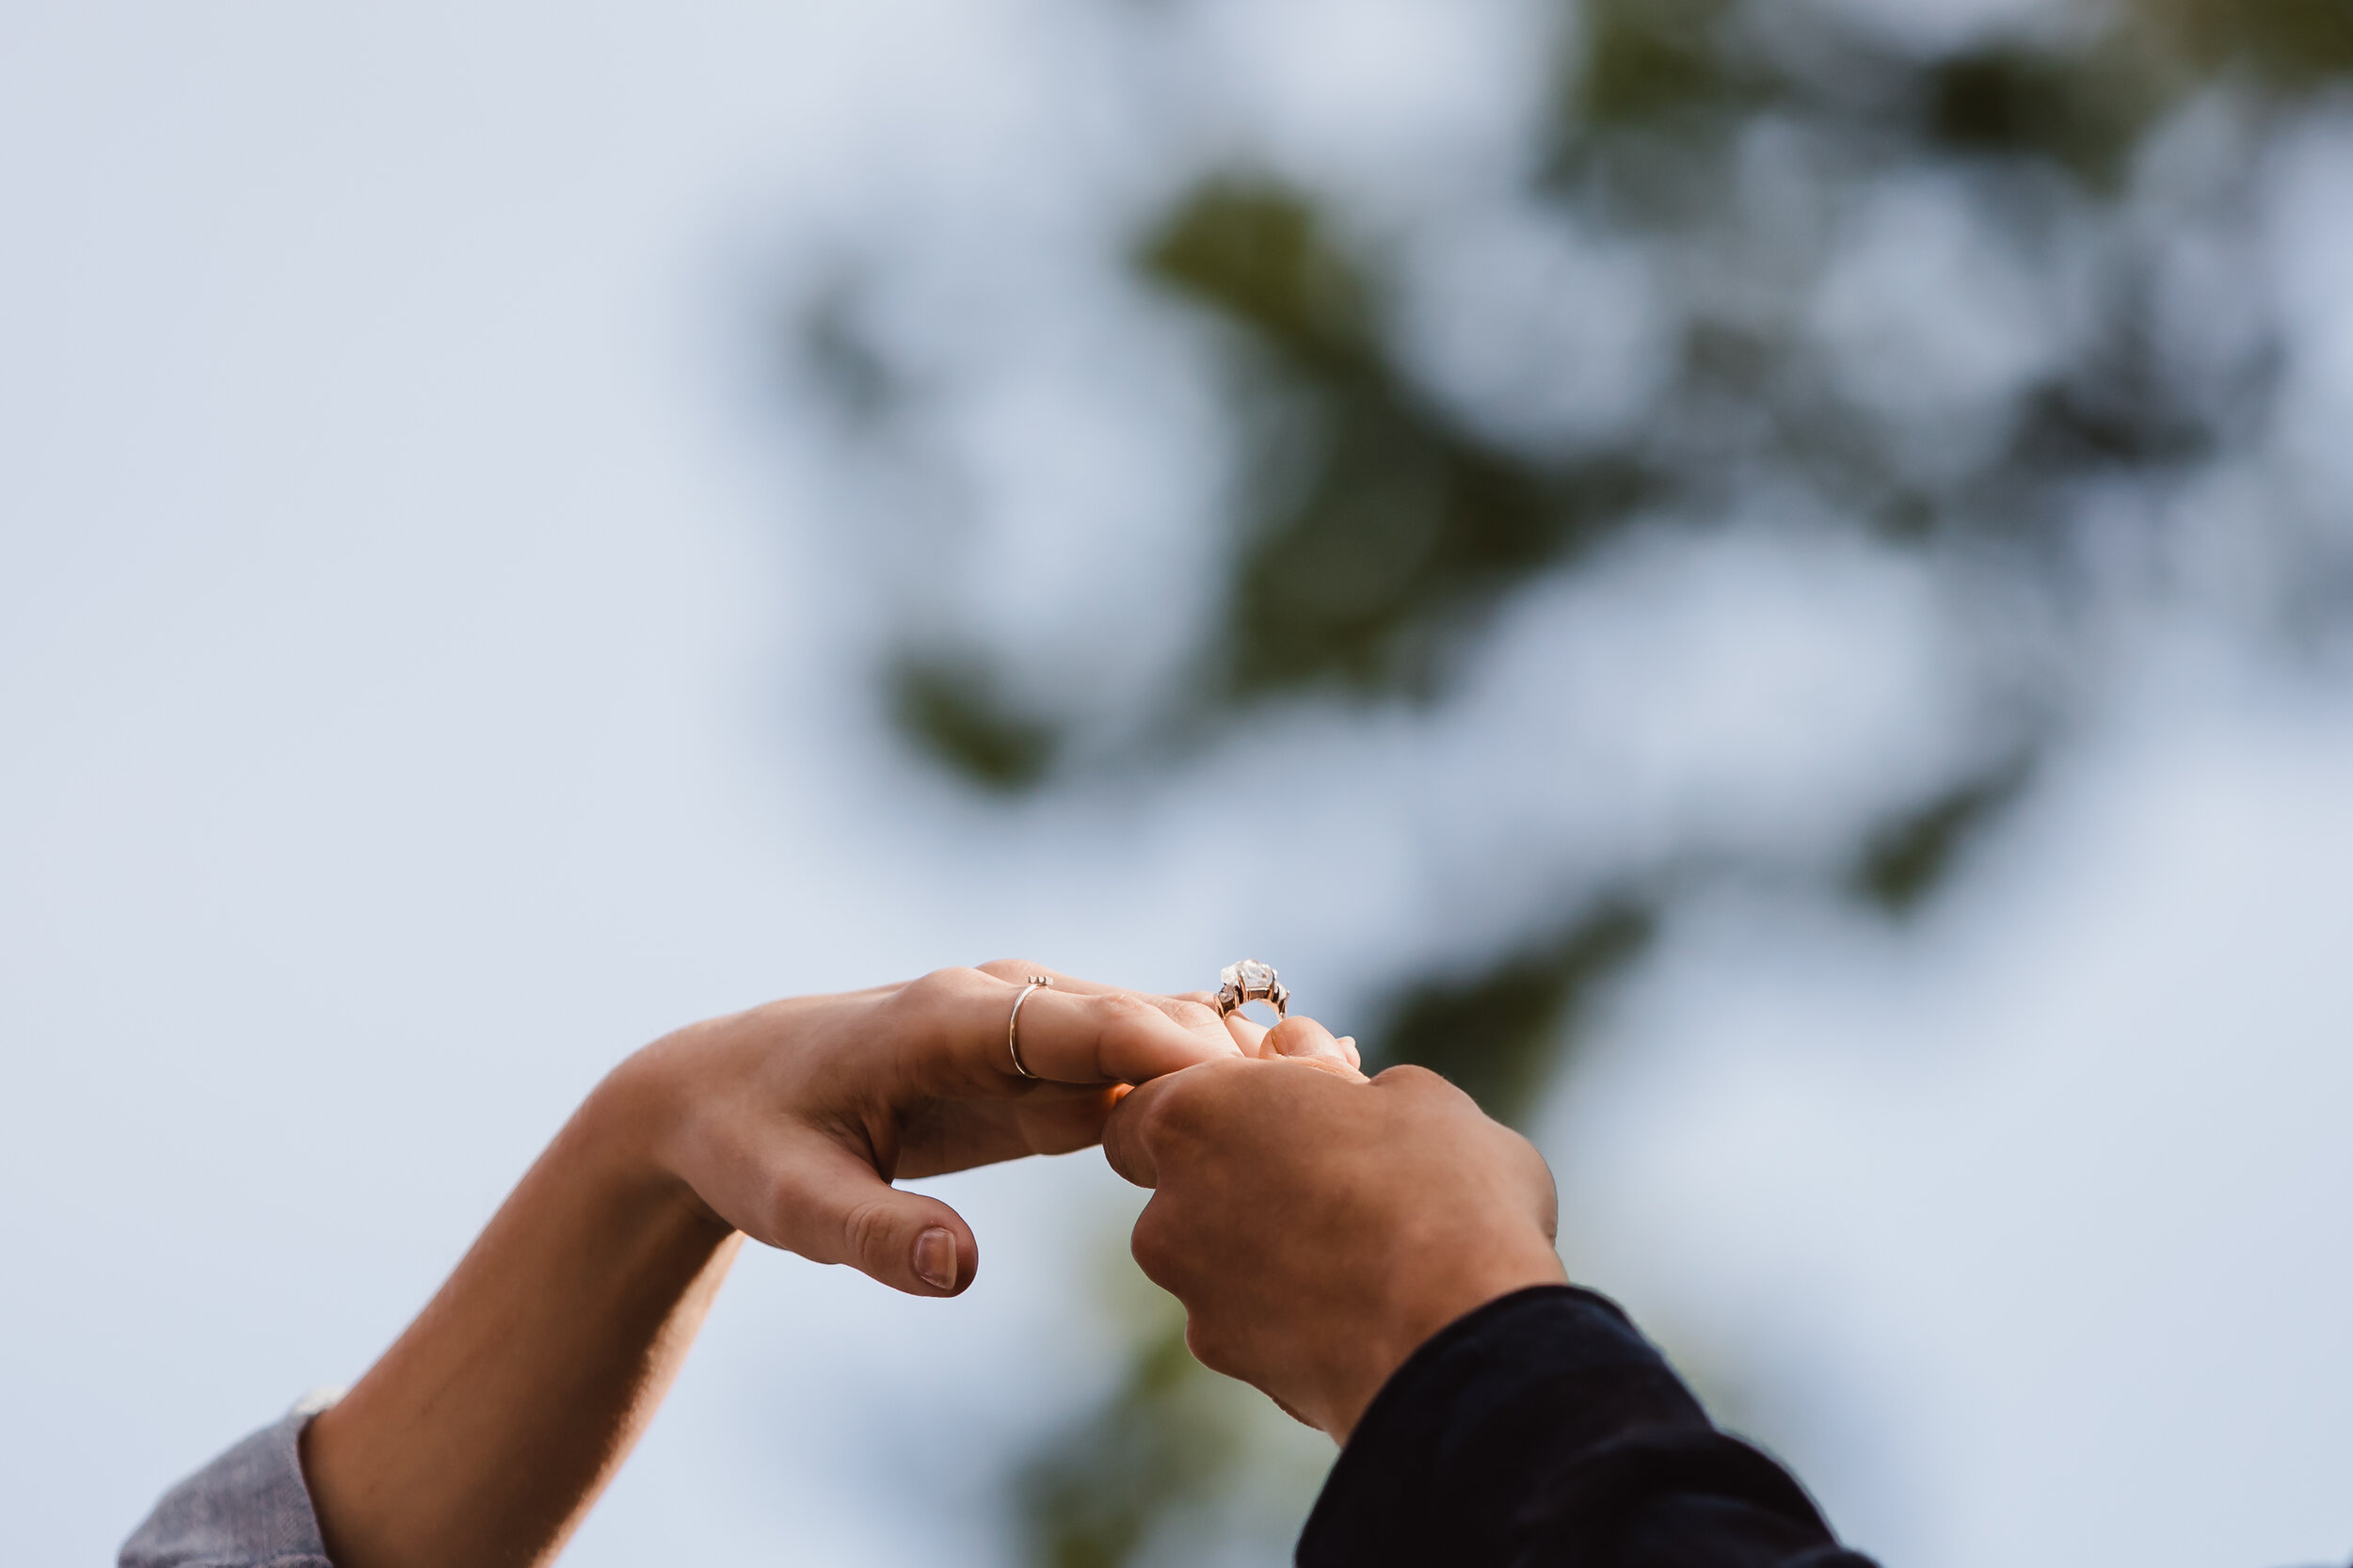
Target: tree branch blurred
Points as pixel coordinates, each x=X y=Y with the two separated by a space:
x=1384 y=527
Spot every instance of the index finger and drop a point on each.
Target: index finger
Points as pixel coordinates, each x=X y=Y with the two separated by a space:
x=1226 y=1107
x=1128 y=1134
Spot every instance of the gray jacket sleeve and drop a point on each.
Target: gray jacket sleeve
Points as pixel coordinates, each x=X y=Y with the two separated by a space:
x=247 y=1508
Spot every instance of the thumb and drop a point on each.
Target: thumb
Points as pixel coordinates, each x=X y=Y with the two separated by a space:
x=909 y=1241
x=1127 y=1143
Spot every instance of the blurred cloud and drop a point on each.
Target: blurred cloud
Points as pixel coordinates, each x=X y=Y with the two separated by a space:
x=1945 y=382
x=2311 y=219
x=1556 y=339
x=2034 y=1213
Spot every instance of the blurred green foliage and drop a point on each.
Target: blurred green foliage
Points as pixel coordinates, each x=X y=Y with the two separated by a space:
x=1902 y=862
x=1663 y=66
x=1095 y=1492
x=857 y=379
x=1501 y=1032
x=2013 y=102
x=1380 y=524
x=2291 y=45
x=1260 y=254
x=1379 y=529
x=952 y=703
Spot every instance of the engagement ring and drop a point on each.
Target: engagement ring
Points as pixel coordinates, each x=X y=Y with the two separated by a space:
x=1251 y=980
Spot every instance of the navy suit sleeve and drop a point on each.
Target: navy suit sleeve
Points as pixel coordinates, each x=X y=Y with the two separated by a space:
x=1543 y=1432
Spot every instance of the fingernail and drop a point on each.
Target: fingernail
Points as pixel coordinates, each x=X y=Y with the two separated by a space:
x=935 y=1258
x=1348 y=1048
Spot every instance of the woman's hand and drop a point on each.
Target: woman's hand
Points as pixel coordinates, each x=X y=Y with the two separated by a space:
x=791 y=1120
x=485 y=1431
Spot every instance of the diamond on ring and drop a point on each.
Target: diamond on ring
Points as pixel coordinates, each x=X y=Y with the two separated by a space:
x=1250 y=981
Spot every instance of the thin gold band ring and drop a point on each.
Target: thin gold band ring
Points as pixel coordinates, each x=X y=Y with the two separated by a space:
x=1013 y=1024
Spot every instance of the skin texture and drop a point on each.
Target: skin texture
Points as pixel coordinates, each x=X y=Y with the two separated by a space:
x=1318 y=1225
x=488 y=1428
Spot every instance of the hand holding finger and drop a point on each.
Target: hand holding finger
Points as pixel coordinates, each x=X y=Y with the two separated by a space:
x=1318 y=1225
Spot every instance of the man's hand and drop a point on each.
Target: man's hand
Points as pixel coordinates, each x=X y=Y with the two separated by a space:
x=1318 y=1225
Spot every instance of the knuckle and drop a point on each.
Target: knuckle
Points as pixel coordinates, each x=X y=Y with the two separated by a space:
x=1176 y=1125
x=1416 y=1079
x=1210 y=1345
x=1008 y=968
x=783 y=1210
x=1121 y=1007
x=1159 y=1122
x=866 y=1230
x=955 y=981
x=1154 y=1244
x=940 y=995
x=1193 y=1010
x=930 y=990
x=1191 y=1103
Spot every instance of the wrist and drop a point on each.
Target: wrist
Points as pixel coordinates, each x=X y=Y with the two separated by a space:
x=1427 y=1296
x=630 y=1128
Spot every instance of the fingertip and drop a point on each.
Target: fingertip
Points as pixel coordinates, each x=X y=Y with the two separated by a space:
x=1304 y=1037
x=910 y=1241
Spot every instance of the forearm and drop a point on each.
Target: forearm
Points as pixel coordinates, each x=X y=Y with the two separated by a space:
x=490 y=1425
x=488 y=1428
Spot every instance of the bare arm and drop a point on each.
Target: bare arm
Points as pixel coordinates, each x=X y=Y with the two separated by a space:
x=487 y=1430
x=493 y=1423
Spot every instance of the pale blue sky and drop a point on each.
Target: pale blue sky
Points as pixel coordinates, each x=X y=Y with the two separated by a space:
x=427 y=670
